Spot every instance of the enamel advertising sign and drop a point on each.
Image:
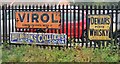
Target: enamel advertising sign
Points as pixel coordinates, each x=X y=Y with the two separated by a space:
x=38 y=38
x=37 y=19
x=99 y=27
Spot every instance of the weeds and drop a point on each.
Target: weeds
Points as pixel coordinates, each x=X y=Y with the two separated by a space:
x=36 y=54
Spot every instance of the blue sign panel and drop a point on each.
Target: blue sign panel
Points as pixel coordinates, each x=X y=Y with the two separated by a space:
x=38 y=38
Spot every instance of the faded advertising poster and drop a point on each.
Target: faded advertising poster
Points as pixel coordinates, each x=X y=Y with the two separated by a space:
x=99 y=27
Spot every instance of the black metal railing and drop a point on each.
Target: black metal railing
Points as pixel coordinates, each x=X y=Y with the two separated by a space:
x=73 y=21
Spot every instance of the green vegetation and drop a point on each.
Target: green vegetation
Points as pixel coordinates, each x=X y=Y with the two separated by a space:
x=0 y=54
x=36 y=54
x=95 y=3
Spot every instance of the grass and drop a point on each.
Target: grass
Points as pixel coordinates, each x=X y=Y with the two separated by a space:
x=0 y=54
x=77 y=54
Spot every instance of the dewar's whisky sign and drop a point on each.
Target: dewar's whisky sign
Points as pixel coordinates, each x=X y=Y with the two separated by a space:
x=99 y=27
x=37 y=19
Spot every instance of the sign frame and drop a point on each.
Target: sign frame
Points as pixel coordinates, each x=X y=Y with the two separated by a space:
x=88 y=27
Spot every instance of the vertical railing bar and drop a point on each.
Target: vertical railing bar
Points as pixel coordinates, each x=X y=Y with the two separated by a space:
x=116 y=23
x=55 y=30
x=6 y=22
x=60 y=18
x=48 y=7
x=3 y=22
x=23 y=10
x=40 y=7
x=103 y=9
x=19 y=11
x=51 y=29
x=108 y=13
x=30 y=11
x=21 y=29
x=79 y=23
x=15 y=18
x=74 y=21
x=43 y=9
x=70 y=26
x=82 y=25
x=91 y=13
x=59 y=9
x=26 y=6
x=0 y=25
x=12 y=19
x=95 y=7
x=86 y=27
x=99 y=7
x=107 y=9
x=103 y=42
x=63 y=19
x=36 y=7
x=17 y=29
x=51 y=10
x=9 y=23
x=48 y=11
x=67 y=23
x=33 y=9
x=112 y=21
